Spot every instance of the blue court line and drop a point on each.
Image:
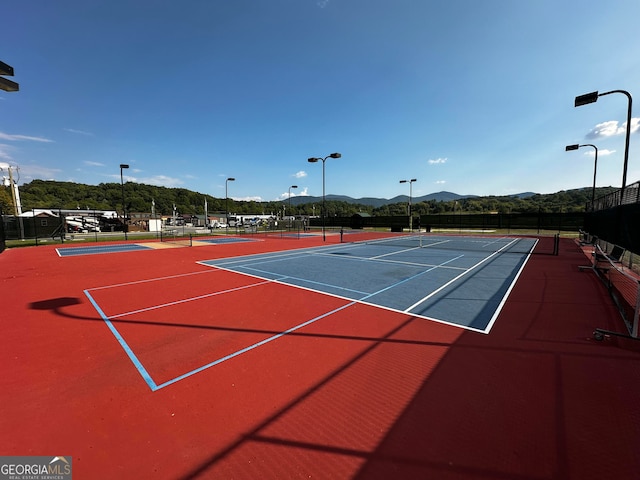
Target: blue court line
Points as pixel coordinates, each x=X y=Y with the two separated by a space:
x=132 y=356
x=147 y=377
x=252 y=347
x=124 y=247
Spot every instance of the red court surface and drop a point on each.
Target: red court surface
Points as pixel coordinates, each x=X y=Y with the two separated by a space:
x=363 y=393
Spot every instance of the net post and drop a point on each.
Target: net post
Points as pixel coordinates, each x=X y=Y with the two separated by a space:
x=191 y=239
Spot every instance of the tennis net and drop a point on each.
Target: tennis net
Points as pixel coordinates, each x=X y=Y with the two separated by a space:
x=488 y=244
x=174 y=237
x=623 y=285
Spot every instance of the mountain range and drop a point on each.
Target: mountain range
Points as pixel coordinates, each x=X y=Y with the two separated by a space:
x=379 y=202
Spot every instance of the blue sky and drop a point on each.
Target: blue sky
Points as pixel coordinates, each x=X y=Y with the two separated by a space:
x=468 y=96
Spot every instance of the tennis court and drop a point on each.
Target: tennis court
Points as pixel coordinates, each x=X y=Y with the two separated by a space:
x=407 y=274
x=459 y=281
x=428 y=357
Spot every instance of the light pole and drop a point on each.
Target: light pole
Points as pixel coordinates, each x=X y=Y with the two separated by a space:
x=124 y=208
x=324 y=213
x=226 y=198
x=410 y=195
x=292 y=186
x=568 y=148
x=593 y=97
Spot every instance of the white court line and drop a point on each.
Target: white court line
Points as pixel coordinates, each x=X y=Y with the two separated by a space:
x=363 y=301
x=189 y=299
x=424 y=299
x=135 y=282
x=356 y=258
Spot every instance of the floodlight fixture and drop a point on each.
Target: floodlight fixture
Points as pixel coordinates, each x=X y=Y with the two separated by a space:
x=320 y=159
x=592 y=97
x=7 y=85
x=410 y=182
x=576 y=146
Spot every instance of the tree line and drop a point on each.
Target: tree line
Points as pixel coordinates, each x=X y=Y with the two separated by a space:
x=139 y=197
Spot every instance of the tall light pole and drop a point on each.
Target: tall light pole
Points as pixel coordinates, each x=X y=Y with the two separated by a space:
x=410 y=195
x=593 y=97
x=324 y=212
x=226 y=198
x=124 y=208
x=292 y=186
x=568 y=148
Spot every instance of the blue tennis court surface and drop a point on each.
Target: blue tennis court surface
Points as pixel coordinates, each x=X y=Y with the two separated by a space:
x=94 y=249
x=462 y=282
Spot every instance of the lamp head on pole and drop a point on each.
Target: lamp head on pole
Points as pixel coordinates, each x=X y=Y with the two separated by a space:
x=313 y=159
x=335 y=155
x=586 y=98
x=568 y=148
x=124 y=165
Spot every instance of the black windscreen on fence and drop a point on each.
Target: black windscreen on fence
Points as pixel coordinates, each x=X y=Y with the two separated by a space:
x=571 y=222
x=619 y=225
x=505 y=221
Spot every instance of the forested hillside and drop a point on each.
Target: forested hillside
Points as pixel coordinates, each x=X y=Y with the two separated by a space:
x=139 y=197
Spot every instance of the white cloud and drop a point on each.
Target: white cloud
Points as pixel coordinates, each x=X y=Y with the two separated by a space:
x=437 y=161
x=161 y=181
x=93 y=164
x=301 y=193
x=9 y=137
x=79 y=132
x=247 y=199
x=300 y=174
x=440 y=182
x=611 y=128
x=603 y=152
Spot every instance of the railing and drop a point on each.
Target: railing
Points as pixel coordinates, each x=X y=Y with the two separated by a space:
x=630 y=196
